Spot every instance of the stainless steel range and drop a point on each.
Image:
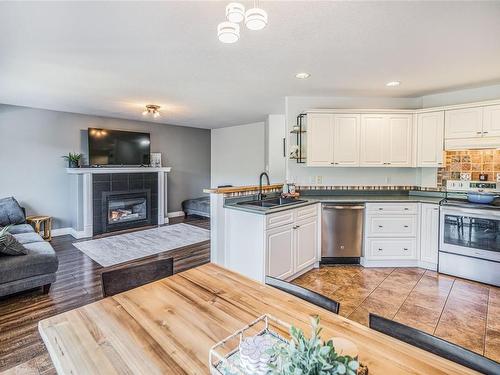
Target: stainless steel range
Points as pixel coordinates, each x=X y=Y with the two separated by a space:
x=469 y=239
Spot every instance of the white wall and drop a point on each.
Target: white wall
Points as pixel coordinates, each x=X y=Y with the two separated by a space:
x=303 y=175
x=237 y=155
x=462 y=96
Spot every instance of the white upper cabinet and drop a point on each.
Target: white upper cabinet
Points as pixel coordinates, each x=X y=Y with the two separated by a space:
x=430 y=139
x=464 y=123
x=491 y=121
x=398 y=143
x=346 y=140
x=373 y=134
x=386 y=140
x=319 y=140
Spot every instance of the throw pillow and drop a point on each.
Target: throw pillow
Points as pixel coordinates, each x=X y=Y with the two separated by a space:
x=9 y=245
x=11 y=212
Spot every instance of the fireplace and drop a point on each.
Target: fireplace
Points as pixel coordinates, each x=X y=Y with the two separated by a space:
x=126 y=209
x=124 y=201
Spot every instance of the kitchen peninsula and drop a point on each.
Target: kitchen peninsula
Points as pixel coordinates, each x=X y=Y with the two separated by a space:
x=284 y=241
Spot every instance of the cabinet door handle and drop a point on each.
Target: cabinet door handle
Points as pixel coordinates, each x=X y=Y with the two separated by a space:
x=479 y=132
x=284 y=147
x=380 y=249
x=296 y=226
x=405 y=248
x=485 y=132
x=380 y=209
x=406 y=208
x=406 y=226
x=380 y=226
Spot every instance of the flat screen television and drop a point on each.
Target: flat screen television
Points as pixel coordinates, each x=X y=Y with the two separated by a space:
x=117 y=147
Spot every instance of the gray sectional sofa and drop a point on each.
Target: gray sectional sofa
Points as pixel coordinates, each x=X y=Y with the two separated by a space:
x=22 y=272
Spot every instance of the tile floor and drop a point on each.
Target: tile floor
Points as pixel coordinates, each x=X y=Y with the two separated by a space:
x=463 y=312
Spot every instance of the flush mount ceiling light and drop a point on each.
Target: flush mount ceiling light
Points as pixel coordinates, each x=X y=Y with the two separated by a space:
x=393 y=84
x=302 y=75
x=255 y=19
x=228 y=32
x=235 y=12
x=152 y=110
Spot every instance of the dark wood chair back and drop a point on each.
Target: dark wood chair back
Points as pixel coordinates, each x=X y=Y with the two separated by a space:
x=125 y=278
x=435 y=345
x=305 y=294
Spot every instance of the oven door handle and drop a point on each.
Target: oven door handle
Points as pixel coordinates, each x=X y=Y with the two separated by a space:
x=477 y=213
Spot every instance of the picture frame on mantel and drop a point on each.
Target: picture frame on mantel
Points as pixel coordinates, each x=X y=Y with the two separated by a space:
x=155 y=159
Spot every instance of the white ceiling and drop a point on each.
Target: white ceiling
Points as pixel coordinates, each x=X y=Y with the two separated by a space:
x=112 y=58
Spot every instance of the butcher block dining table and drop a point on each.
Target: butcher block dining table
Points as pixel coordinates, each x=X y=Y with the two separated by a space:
x=169 y=326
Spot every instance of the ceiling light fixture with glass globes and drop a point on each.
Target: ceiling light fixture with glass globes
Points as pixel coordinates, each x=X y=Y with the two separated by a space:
x=152 y=110
x=255 y=19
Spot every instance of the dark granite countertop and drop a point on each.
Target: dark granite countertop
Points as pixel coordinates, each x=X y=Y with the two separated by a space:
x=341 y=197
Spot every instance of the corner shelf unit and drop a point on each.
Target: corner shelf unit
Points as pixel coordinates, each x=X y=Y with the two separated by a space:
x=300 y=158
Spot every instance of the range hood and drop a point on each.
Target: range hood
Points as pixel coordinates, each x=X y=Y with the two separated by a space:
x=471 y=143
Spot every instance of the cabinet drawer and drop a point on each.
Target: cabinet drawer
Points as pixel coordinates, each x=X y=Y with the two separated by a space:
x=392 y=208
x=391 y=248
x=304 y=212
x=383 y=226
x=279 y=218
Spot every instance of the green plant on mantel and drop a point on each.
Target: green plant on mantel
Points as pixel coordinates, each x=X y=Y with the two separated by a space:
x=302 y=356
x=73 y=159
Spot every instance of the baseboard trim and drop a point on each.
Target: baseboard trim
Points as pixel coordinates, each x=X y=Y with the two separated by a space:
x=397 y=263
x=62 y=231
x=175 y=214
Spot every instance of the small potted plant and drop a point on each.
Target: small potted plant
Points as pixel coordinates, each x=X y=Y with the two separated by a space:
x=311 y=356
x=73 y=159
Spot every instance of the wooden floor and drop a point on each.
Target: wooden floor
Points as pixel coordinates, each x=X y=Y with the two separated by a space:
x=78 y=283
x=463 y=312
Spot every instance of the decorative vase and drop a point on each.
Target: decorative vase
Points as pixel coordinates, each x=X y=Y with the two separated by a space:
x=73 y=163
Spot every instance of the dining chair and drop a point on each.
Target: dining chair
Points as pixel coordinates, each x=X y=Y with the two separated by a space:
x=305 y=294
x=435 y=345
x=132 y=276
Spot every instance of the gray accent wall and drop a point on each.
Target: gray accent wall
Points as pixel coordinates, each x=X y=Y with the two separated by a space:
x=32 y=142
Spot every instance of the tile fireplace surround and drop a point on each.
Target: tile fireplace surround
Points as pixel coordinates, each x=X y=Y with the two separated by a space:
x=89 y=184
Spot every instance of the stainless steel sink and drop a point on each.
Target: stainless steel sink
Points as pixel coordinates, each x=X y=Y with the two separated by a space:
x=272 y=202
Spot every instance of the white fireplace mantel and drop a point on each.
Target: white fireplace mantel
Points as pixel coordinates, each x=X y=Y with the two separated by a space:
x=118 y=170
x=82 y=200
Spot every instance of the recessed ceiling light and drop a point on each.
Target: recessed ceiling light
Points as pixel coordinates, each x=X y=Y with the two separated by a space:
x=302 y=75
x=393 y=84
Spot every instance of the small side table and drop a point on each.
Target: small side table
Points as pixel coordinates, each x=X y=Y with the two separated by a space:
x=47 y=225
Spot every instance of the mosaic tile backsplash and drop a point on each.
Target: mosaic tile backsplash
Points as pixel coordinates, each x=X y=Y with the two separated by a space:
x=474 y=162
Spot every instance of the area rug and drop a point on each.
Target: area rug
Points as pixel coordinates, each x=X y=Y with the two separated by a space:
x=122 y=248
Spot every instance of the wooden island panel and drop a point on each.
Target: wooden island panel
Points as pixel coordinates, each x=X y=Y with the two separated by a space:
x=169 y=326
x=241 y=189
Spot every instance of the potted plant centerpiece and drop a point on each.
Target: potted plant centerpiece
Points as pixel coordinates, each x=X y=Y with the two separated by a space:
x=302 y=356
x=73 y=159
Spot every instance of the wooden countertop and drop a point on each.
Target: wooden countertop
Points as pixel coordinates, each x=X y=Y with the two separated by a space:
x=168 y=327
x=240 y=189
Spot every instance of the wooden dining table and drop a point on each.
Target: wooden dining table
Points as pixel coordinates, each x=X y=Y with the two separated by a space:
x=169 y=326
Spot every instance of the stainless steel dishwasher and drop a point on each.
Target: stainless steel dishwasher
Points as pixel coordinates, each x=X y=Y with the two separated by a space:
x=342 y=233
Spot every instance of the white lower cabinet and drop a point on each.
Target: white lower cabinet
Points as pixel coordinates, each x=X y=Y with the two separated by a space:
x=284 y=244
x=391 y=234
x=392 y=248
x=401 y=234
x=429 y=235
x=306 y=236
x=292 y=248
x=280 y=254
